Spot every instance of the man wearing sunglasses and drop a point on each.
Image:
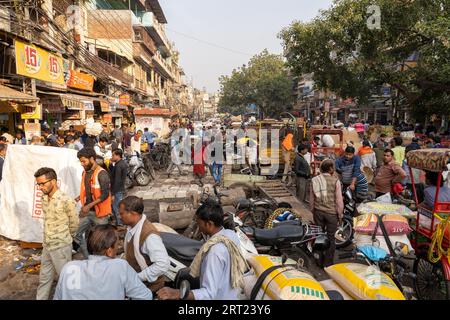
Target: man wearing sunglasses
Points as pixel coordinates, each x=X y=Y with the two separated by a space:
x=60 y=226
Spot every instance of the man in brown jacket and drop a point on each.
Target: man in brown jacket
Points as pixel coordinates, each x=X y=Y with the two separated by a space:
x=144 y=249
x=388 y=174
x=327 y=205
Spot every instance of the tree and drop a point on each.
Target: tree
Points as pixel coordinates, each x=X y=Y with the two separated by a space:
x=264 y=81
x=350 y=58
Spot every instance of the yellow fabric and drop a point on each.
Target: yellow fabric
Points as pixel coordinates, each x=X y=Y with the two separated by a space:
x=287 y=142
x=399 y=154
x=364 y=282
x=286 y=283
x=60 y=220
x=438 y=239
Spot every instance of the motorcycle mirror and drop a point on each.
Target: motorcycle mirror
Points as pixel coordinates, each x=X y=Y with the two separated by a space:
x=185 y=287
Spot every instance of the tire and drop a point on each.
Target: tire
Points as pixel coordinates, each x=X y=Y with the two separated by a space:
x=128 y=183
x=142 y=177
x=345 y=237
x=150 y=170
x=430 y=282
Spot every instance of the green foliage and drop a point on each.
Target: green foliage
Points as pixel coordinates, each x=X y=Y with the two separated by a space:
x=264 y=81
x=350 y=59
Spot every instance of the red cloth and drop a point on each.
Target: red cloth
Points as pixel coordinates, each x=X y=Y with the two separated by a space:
x=359 y=127
x=199 y=162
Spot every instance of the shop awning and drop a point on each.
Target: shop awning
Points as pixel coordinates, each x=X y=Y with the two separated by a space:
x=76 y=102
x=8 y=94
x=10 y=99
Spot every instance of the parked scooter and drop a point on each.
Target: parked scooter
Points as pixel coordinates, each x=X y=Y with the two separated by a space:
x=136 y=172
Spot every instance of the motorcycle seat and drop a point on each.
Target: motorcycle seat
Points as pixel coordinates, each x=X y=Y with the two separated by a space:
x=279 y=234
x=243 y=204
x=180 y=247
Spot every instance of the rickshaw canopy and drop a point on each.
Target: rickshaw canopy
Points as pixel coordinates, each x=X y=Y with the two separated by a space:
x=434 y=160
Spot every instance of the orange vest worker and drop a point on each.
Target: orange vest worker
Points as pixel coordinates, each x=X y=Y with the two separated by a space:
x=287 y=142
x=102 y=209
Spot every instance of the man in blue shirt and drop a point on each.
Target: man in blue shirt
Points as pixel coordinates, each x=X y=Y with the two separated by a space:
x=349 y=166
x=101 y=276
x=149 y=136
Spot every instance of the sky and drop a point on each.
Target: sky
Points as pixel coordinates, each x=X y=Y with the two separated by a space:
x=242 y=27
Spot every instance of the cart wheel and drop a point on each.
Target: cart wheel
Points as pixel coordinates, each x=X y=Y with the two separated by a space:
x=430 y=283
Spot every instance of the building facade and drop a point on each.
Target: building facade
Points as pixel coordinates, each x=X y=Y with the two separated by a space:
x=86 y=59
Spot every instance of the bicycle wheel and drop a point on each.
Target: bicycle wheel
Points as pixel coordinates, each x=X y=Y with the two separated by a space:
x=430 y=282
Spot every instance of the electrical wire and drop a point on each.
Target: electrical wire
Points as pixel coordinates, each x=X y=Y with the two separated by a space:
x=210 y=43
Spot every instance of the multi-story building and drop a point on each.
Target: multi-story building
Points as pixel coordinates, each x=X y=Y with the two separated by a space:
x=88 y=58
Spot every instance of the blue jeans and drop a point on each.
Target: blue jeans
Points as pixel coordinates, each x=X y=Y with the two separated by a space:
x=115 y=206
x=217 y=172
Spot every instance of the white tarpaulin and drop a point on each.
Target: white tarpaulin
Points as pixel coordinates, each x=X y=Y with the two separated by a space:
x=21 y=216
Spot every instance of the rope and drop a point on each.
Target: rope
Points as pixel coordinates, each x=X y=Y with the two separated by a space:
x=437 y=240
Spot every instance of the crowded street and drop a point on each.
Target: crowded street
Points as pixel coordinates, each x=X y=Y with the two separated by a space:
x=317 y=170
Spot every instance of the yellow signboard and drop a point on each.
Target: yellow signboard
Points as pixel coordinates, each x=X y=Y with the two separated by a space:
x=38 y=63
x=32 y=113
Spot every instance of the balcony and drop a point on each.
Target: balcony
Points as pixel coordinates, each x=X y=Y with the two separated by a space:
x=162 y=66
x=142 y=37
x=156 y=30
x=102 y=67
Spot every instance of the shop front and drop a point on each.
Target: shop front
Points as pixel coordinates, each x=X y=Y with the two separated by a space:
x=13 y=104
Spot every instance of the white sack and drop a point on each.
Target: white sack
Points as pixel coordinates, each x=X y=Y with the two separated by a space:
x=21 y=216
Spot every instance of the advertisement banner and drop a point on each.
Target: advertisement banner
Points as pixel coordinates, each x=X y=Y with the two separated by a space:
x=31 y=130
x=124 y=99
x=38 y=63
x=80 y=80
x=53 y=105
x=88 y=105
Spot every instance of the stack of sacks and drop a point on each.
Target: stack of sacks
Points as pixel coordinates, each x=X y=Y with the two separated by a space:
x=286 y=283
x=396 y=225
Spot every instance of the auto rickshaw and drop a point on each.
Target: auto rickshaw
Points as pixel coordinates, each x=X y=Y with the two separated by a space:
x=432 y=231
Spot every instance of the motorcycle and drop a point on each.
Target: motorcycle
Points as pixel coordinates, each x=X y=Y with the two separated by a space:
x=136 y=172
x=253 y=212
x=302 y=242
x=183 y=250
x=345 y=232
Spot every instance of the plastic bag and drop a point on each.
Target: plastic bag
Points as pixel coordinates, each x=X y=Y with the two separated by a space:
x=385 y=198
x=385 y=208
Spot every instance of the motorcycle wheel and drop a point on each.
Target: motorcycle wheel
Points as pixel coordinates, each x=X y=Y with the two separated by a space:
x=344 y=234
x=128 y=182
x=142 y=177
x=151 y=171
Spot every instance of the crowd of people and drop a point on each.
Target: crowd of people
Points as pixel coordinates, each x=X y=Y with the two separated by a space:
x=379 y=165
x=139 y=272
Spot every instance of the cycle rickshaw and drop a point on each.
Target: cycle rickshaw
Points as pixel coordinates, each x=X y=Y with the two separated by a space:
x=432 y=231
